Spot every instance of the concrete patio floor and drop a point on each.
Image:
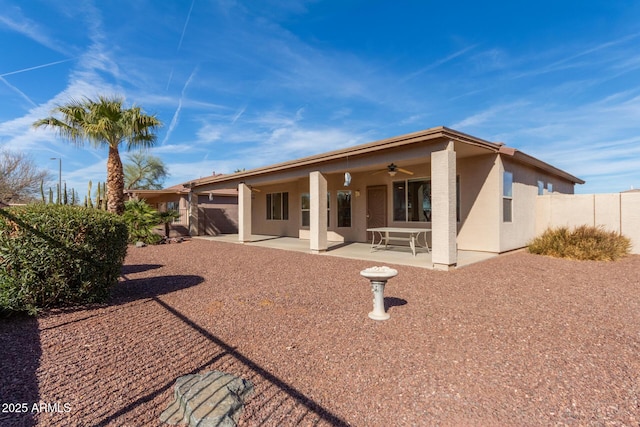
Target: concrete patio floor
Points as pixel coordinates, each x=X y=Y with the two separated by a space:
x=400 y=255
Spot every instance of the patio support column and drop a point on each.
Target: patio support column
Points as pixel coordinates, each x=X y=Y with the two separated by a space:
x=244 y=213
x=443 y=201
x=318 y=212
x=194 y=222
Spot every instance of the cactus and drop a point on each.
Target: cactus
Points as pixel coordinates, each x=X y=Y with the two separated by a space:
x=50 y=196
x=65 y=199
x=106 y=196
x=42 y=191
x=89 y=202
x=98 y=199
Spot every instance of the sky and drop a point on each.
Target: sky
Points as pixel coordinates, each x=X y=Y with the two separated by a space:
x=244 y=84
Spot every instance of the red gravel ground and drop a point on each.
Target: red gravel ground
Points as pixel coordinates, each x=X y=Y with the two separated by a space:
x=517 y=340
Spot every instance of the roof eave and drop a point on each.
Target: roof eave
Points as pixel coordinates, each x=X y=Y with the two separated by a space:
x=397 y=141
x=532 y=161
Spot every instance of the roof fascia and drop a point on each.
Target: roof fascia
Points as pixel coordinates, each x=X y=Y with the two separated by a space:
x=371 y=147
x=536 y=163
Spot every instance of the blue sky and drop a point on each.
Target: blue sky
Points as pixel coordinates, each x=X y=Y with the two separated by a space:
x=242 y=84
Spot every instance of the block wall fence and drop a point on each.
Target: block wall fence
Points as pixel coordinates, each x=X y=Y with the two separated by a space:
x=619 y=212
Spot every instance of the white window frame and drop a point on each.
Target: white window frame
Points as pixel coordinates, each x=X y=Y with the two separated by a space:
x=507 y=196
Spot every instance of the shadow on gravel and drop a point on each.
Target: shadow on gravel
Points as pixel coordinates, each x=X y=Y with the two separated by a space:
x=307 y=411
x=138 y=268
x=393 y=302
x=149 y=287
x=20 y=354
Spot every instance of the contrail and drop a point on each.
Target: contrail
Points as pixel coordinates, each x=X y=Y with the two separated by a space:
x=438 y=63
x=184 y=30
x=18 y=91
x=36 y=67
x=176 y=115
x=238 y=114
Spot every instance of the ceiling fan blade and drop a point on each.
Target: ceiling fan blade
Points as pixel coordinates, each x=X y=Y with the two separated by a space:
x=404 y=171
x=380 y=171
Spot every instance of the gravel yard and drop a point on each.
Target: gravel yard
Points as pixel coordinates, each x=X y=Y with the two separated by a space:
x=517 y=340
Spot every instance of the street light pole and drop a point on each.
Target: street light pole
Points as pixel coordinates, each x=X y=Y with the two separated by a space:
x=59 y=159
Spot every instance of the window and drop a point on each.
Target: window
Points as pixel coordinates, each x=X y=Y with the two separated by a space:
x=412 y=200
x=344 y=208
x=458 y=198
x=173 y=206
x=305 y=208
x=540 y=188
x=328 y=209
x=278 y=206
x=549 y=187
x=399 y=201
x=507 y=197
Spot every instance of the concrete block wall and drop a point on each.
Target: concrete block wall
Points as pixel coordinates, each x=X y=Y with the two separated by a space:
x=619 y=212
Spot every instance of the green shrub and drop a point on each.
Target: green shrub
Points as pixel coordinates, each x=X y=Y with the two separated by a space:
x=581 y=243
x=56 y=255
x=141 y=219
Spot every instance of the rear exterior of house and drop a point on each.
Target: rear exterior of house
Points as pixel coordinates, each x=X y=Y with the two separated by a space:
x=472 y=194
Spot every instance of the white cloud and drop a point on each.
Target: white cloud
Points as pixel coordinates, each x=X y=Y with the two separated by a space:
x=209 y=133
x=13 y=19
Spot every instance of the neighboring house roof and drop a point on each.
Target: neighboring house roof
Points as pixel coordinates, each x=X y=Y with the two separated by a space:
x=433 y=134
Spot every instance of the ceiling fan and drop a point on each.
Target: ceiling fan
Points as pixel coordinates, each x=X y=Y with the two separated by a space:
x=392 y=169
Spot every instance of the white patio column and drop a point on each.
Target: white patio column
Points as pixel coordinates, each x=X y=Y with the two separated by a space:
x=443 y=204
x=318 y=212
x=244 y=212
x=194 y=221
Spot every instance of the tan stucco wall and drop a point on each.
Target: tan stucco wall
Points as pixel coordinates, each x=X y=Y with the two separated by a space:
x=260 y=224
x=522 y=229
x=479 y=228
x=619 y=212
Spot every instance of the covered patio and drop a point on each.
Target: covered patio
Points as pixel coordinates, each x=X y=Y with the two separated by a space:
x=474 y=197
x=395 y=254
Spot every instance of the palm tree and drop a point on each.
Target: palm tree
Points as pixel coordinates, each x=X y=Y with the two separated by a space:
x=105 y=123
x=166 y=218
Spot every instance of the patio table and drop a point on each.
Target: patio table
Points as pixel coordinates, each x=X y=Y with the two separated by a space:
x=380 y=235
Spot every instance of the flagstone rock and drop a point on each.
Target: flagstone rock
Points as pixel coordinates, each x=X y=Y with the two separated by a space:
x=210 y=399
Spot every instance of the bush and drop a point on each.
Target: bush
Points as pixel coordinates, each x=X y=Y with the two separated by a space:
x=54 y=255
x=141 y=219
x=582 y=243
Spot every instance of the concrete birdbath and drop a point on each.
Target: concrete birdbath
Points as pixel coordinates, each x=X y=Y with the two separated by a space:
x=378 y=277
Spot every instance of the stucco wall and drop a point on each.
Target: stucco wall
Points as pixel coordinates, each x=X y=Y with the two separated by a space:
x=619 y=212
x=517 y=233
x=479 y=228
x=259 y=222
x=523 y=227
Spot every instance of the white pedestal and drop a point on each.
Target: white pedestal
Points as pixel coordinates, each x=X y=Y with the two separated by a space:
x=378 y=277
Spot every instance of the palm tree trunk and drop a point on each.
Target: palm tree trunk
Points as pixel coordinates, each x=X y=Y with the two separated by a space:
x=115 y=182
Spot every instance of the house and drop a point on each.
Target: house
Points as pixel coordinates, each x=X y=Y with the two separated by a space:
x=473 y=194
x=217 y=209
